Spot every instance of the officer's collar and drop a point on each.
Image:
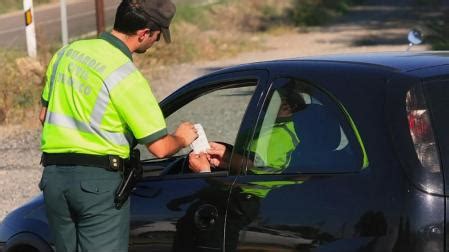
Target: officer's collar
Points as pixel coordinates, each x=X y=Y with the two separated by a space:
x=283 y=120
x=117 y=43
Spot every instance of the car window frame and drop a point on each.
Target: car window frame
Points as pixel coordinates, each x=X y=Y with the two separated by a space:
x=203 y=86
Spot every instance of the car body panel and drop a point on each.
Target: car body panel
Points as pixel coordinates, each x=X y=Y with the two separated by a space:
x=30 y=217
x=325 y=200
x=165 y=213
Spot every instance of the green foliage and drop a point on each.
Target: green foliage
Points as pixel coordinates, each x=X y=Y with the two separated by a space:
x=429 y=2
x=269 y=11
x=317 y=12
x=190 y=13
x=196 y=14
x=439 y=32
x=309 y=12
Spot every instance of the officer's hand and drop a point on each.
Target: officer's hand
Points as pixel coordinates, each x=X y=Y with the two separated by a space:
x=186 y=132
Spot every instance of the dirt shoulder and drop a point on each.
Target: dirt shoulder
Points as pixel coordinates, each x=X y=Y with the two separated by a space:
x=20 y=170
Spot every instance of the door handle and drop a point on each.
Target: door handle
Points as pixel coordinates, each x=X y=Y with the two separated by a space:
x=205 y=216
x=146 y=192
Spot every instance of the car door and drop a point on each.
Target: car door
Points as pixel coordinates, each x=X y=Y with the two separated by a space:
x=173 y=209
x=298 y=192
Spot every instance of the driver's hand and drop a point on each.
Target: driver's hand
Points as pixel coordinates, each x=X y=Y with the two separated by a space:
x=199 y=162
x=216 y=154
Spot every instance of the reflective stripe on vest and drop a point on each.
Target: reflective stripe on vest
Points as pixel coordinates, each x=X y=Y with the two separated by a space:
x=69 y=122
x=103 y=99
x=109 y=83
x=53 y=71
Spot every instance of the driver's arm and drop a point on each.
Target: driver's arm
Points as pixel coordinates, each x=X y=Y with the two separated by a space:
x=217 y=156
x=199 y=163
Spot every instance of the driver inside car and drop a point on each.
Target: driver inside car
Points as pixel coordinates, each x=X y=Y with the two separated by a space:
x=270 y=152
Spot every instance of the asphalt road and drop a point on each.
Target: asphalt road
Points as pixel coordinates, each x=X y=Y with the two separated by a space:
x=80 y=15
x=81 y=21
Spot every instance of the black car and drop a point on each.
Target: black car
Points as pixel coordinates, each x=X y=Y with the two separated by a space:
x=366 y=167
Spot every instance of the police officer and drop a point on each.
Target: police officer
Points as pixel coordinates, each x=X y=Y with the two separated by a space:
x=95 y=102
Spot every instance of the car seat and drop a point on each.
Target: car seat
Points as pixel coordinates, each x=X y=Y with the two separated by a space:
x=322 y=146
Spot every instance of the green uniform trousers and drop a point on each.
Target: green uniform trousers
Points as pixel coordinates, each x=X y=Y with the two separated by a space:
x=79 y=202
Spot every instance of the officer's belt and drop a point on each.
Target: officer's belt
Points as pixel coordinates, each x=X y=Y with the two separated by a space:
x=108 y=162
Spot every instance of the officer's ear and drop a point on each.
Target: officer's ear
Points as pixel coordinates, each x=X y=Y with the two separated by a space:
x=142 y=34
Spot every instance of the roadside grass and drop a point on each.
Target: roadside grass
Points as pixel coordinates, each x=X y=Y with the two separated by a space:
x=219 y=30
x=20 y=88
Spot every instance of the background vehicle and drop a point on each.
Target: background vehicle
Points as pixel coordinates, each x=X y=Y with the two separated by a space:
x=368 y=173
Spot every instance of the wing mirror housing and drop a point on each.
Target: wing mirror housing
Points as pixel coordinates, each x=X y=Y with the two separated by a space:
x=414 y=37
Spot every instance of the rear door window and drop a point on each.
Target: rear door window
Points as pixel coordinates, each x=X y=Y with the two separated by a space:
x=303 y=130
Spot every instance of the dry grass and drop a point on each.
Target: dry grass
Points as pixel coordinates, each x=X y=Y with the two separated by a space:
x=219 y=31
x=20 y=88
x=191 y=44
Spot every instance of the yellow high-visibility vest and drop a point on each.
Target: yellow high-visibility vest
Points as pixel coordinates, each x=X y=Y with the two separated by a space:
x=97 y=101
x=272 y=150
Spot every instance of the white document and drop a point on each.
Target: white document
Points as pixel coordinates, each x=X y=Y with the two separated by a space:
x=200 y=144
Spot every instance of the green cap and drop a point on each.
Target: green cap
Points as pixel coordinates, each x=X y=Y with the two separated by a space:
x=161 y=12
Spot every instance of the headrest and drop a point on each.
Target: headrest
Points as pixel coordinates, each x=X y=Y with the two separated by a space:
x=317 y=128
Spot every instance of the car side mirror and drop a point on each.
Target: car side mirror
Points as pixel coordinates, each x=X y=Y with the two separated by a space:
x=414 y=38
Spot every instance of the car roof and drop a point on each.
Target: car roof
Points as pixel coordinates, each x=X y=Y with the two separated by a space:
x=397 y=61
x=391 y=61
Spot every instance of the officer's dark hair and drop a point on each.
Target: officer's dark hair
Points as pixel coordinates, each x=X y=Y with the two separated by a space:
x=131 y=17
x=293 y=92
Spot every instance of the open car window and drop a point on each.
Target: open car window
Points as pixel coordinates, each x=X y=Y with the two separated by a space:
x=219 y=111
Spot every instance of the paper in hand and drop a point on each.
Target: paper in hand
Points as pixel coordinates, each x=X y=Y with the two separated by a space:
x=200 y=144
